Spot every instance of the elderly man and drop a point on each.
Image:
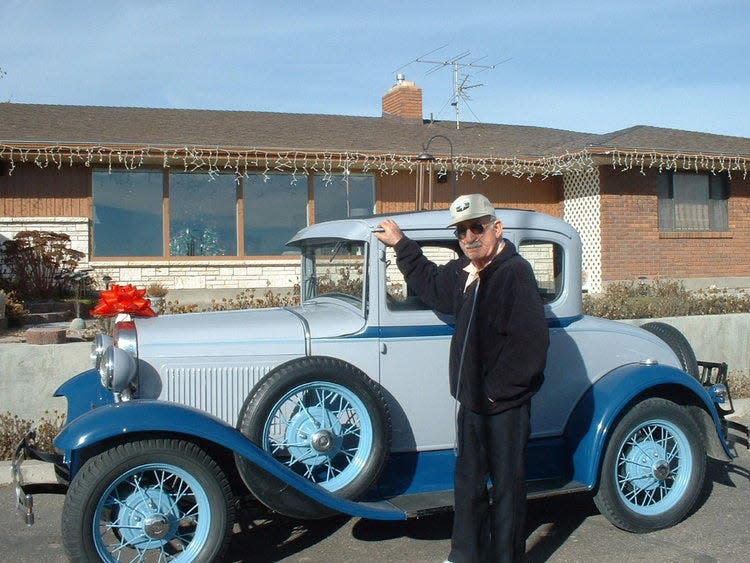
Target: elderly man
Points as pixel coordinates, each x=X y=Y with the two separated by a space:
x=497 y=356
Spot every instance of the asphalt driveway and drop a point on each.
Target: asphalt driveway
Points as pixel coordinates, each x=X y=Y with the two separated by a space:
x=559 y=529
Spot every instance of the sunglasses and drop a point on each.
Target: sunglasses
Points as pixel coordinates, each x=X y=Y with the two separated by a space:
x=476 y=228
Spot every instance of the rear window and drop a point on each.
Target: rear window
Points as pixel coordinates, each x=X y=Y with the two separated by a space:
x=546 y=259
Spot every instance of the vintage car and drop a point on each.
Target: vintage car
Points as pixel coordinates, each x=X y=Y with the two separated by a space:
x=341 y=405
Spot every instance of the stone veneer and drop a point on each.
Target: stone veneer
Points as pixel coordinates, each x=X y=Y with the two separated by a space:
x=234 y=273
x=77 y=228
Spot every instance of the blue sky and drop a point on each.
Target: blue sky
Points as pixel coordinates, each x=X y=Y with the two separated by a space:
x=592 y=66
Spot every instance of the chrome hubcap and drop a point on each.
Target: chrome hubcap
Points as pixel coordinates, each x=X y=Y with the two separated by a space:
x=661 y=470
x=156 y=527
x=322 y=441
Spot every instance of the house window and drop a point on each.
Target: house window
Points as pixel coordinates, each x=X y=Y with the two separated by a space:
x=217 y=215
x=340 y=196
x=127 y=213
x=693 y=202
x=275 y=209
x=202 y=214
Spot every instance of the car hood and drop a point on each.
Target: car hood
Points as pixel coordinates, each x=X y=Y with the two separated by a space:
x=274 y=331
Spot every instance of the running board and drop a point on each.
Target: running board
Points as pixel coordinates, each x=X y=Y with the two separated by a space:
x=419 y=505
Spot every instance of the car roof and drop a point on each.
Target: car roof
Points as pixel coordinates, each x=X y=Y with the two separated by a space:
x=361 y=228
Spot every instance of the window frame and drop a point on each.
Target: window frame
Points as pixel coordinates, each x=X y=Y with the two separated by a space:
x=559 y=274
x=306 y=180
x=716 y=203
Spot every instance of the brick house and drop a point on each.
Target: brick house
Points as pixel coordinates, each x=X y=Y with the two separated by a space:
x=204 y=200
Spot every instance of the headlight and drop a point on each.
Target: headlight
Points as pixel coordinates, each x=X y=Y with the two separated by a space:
x=100 y=344
x=116 y=369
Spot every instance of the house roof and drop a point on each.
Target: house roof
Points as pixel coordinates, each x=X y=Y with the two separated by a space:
x=76 y=127
x=660 y=139
x=67 y=125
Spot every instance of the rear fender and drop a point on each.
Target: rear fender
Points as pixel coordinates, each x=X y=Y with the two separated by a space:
x=596 y=414
x=160 y=417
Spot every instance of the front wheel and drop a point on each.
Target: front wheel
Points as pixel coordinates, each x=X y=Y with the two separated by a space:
x=654 y=468
x=152 y=500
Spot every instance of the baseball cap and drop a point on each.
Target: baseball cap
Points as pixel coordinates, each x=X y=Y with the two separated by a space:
x=470 y=206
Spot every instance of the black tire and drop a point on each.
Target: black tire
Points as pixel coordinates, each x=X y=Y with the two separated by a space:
x=323 y=418
x=148 y=498
x=654 y=468
x=678 y=343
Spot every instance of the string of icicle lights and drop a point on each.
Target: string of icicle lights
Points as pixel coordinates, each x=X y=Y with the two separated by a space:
x=216 y=160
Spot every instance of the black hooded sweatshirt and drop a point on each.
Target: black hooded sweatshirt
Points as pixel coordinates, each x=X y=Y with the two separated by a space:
x=504 y=342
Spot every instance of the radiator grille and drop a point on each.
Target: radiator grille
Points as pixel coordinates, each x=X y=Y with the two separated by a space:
x=218 y=390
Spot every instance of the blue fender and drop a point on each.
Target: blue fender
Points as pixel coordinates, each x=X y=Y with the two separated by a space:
x=84 y=392
x=160 y=417
x=593 y=419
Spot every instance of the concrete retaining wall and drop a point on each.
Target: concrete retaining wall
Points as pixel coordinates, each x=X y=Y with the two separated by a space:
x=29 y=374
x=715 y=338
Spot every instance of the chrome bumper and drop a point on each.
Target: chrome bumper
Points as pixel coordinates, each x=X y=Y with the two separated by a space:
x=26 y=450
x=713 y=376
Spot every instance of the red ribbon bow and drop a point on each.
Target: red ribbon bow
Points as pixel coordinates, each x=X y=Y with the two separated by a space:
x=123 y=299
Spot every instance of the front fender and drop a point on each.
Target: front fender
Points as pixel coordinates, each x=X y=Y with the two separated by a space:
x=84 y=392
x=160 y=417
x=595 y=415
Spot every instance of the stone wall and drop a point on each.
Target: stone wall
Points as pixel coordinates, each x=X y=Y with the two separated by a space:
x=77 y=228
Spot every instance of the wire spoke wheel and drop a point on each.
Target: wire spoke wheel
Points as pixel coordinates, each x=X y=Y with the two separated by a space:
x=654 y=467
x=148 y=501
x=322 y=431
x=325 y=420
x=152 y=513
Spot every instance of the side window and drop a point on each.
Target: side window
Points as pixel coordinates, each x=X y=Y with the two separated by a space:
x=546 y=259
x=399 y=298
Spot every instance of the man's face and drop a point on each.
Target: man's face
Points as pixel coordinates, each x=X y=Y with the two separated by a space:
x=479 y=238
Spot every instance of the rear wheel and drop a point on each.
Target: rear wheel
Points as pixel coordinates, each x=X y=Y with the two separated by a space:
x=654 y=467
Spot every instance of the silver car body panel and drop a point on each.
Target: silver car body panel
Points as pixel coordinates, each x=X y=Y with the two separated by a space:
x=212 y=360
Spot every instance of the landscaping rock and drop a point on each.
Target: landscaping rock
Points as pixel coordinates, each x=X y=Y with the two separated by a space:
x=46 y=336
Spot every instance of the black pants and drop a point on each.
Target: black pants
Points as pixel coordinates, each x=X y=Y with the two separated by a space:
x=489 y=525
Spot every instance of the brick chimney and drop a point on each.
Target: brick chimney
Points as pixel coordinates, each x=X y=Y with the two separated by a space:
x=404 y=99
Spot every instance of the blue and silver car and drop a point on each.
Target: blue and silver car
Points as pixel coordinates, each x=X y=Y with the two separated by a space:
x=341 y=405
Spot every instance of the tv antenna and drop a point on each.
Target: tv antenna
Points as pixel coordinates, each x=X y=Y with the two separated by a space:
x=461 y=76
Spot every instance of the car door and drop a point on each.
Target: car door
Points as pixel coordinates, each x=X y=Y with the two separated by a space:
x=414 y=348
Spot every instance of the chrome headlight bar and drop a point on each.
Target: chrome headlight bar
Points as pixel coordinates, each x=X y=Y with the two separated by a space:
x=116 y=359
x=99 y=346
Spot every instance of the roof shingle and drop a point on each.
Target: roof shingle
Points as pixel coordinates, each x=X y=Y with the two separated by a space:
x=95 y=125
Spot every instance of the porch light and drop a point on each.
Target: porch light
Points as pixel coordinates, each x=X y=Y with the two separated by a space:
x=425 y=156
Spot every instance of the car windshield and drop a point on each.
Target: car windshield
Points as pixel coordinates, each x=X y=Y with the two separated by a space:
x=333 y=268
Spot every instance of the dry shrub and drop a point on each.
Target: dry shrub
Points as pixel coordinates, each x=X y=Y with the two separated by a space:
x=36 y=264
x=13 y=429
x=245 y=299
x=739 y=384
x=15 y=311
x=634 y=300
x=156 y=289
